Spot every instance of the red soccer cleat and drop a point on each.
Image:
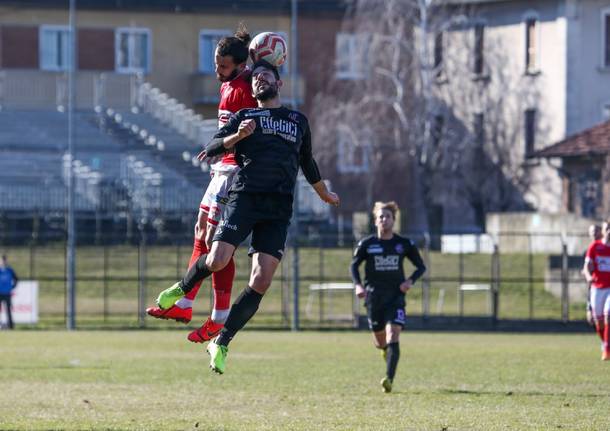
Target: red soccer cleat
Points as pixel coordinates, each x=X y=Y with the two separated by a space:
x=207 y=331
x=178 y=314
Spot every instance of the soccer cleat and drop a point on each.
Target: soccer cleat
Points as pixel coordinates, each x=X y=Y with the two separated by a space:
x=207 y=331
x=169 y=296
x=605 y=355
x=218 y=356
x=178 y=314
x=386 y=385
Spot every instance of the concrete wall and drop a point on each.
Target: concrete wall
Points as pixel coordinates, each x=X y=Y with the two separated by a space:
x=539 y=232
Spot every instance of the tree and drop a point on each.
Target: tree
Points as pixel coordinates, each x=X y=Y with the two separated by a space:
x=411 y=113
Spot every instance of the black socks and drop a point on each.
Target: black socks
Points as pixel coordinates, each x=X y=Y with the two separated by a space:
x=393 y=353
x=242 y=310
x=196 y=272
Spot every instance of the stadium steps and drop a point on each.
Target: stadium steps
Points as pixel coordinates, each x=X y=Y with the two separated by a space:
x=142 y=132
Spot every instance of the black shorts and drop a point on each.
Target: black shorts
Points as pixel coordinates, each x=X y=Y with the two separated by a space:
x=265 y=215
x=381 y=312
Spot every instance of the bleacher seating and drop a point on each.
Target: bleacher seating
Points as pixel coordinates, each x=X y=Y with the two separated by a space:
x=34 y=166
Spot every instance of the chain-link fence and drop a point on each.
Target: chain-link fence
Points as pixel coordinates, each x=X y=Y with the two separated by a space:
x=516 y=276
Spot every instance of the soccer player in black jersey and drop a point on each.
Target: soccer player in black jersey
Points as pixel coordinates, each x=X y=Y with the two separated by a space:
x=271 y=142
x=385 y=284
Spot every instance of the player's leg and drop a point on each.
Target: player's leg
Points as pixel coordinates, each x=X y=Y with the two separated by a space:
x=182 y=311
x=222 y=281
x=220 y=310
x=606 y=313
x=222 y=284
x=244 y=307
x=376 y=325
x=267 y=248
x=9 y=311
x=393 y=328
x=597 y=309
x=233 y=230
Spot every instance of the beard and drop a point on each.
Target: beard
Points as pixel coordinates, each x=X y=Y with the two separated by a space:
x=267 y=94
x=229 y=78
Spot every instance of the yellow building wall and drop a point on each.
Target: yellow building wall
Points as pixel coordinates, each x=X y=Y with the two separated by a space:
x=175 y=38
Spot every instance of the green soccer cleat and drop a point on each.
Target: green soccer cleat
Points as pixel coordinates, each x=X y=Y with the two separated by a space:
x=169 y=296
x=218 y=356
x=386 y=385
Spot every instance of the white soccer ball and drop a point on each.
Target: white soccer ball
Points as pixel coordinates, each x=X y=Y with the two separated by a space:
x=270 y=47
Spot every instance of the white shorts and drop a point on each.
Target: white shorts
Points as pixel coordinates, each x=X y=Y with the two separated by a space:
x=216 y=195
x=600 y=302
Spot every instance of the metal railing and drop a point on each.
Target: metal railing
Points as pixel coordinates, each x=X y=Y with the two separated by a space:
x=115 y=282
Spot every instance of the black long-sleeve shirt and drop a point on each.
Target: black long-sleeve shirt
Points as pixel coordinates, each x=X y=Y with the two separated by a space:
x=270 y=157
x=384 y=258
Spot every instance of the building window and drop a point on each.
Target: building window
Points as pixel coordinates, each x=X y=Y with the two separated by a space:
x=353 y=152
x=438 y=54
x=530 y=131
x=54 y=48
x=132 y=50
x=208 y=40
x=532 y=44
x=350 y=55
x=606 y=37
x=479 y=49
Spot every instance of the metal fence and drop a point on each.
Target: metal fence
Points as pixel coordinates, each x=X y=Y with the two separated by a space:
x=516 y=276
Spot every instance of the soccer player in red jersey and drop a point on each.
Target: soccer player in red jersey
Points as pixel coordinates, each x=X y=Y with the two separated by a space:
x=597 y=272
x=230 y=60
x=595 y=233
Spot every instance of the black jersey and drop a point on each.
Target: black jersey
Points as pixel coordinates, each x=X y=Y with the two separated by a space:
x=384 y=258
x=270 y=157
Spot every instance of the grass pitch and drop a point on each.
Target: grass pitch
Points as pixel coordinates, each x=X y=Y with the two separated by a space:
x=145 y=380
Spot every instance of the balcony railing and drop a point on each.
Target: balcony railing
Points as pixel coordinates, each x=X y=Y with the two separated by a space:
x=35 y=89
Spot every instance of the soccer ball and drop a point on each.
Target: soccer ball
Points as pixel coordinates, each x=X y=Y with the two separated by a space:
x=270 y=47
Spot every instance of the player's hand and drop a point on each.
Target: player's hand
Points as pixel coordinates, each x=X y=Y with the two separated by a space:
x=202 y=156
x=246 y=128
x=406 y=285
x=330 y=198
x=360 y=291
x=589 y=315
x=199 y=231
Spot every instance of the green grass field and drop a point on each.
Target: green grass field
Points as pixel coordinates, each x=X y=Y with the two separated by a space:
x=142 y=380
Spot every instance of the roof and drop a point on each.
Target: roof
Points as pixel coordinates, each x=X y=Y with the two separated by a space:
x=589 y=142
x=189 y=6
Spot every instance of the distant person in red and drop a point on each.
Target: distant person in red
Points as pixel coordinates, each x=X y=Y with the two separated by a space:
x=8 y=281
x=230 y=60
x=597 y=272
x=595 y=233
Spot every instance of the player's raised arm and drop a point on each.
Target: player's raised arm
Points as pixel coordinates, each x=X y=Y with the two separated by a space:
x=311 y=171
x=230 y=134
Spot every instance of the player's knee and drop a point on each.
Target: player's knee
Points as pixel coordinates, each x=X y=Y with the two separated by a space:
x=216 y=261
x=260 y=281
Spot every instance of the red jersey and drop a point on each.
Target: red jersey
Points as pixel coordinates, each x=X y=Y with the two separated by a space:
x=599 y=254
x=234 y=95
